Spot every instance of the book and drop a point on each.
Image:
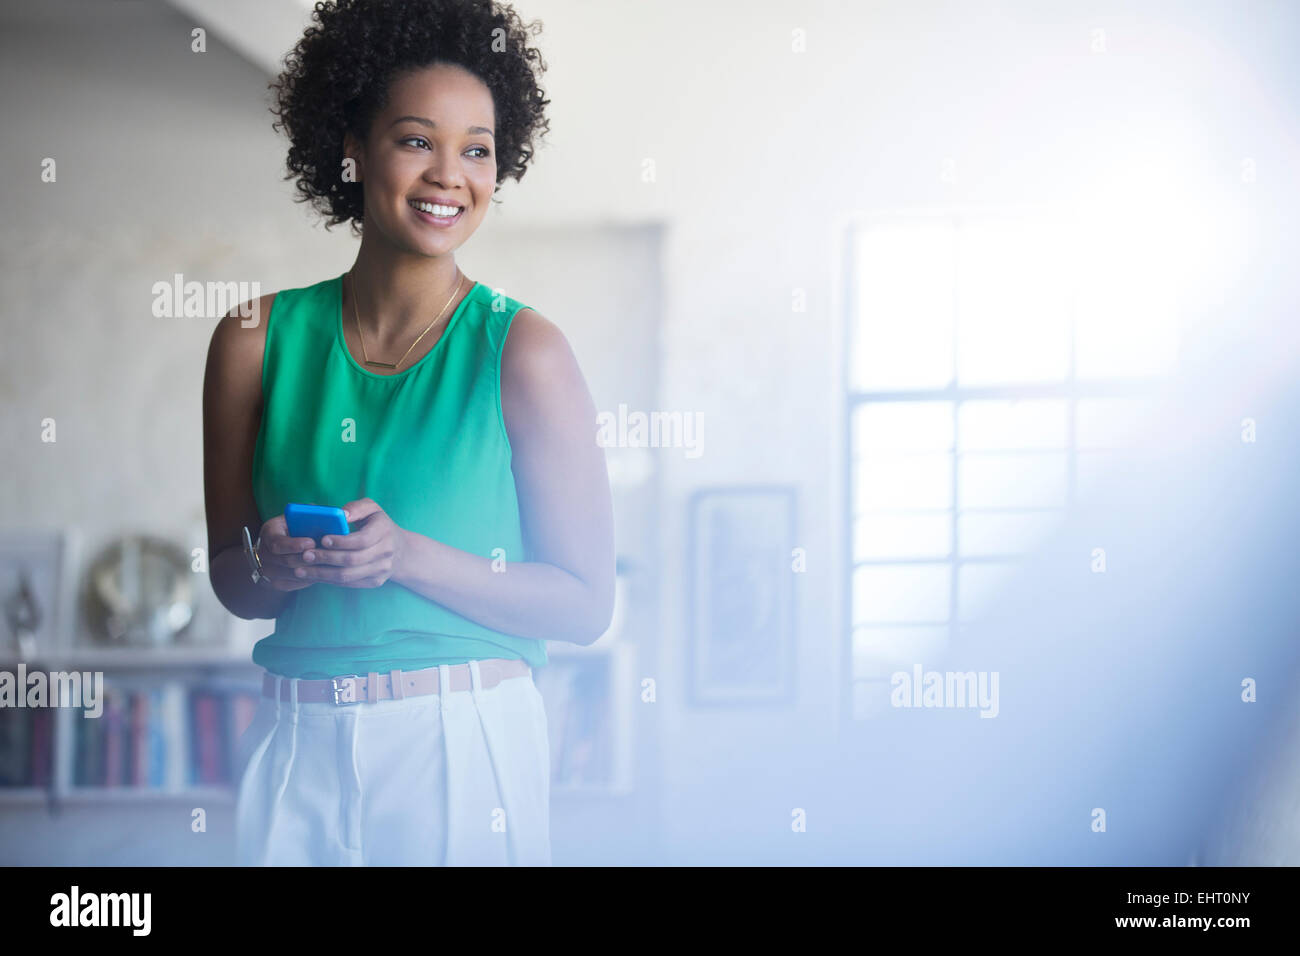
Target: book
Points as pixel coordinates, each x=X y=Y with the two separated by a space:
x=42 y=747
x=113 y=737
x=15 y=740
x=138 y=749
x=156 y=740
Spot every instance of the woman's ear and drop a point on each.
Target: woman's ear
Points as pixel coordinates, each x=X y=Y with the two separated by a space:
x=352 y=166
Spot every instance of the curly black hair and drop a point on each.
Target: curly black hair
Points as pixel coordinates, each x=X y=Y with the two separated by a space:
x=336 y=80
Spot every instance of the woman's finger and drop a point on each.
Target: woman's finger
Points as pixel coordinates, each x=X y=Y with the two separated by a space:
x=361 y=508
x=356 y=541
x=350 y=574
x=339 y=558
x=335 y=557
x=282 y=544
x=289 y=561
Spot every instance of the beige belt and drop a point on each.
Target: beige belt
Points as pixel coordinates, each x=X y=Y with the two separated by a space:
x=394 y=685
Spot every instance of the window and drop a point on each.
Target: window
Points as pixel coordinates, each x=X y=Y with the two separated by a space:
x=995 y=366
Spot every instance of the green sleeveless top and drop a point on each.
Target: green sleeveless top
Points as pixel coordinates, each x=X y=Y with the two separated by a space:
x=428 y=444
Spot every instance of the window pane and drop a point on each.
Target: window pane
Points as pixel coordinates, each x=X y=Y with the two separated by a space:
x=1005 y=425
x=903 y=289
x=880 y=651
x=1012 y=304
x=1121 y=478
x=1109 y=423
x=983 y=584
x=871 y=699
x=1094 y=469
x=987 y=535
x=1126 y=317
x=992 y=303
x=1028 y=480
x=901 y=593
x=902 y=426
x=877 y=536
x=902 y=481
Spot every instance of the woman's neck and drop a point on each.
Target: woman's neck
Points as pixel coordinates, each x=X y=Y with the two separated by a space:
x=396 y=296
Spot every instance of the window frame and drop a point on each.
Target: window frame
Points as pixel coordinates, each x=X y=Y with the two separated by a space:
x=1071 y=390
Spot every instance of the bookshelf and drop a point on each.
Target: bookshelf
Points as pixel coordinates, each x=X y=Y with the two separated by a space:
x=119 y=659
x=170 y=722
x=164 y=745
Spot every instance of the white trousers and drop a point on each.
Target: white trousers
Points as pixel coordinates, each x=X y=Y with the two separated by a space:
x=457 y=778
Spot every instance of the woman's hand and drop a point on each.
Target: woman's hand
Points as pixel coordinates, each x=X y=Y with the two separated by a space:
x=365 y=557
x=281 y=555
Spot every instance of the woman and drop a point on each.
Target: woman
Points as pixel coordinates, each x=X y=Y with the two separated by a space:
x=399 y=722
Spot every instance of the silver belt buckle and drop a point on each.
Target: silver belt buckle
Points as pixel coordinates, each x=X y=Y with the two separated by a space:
x=349 y=692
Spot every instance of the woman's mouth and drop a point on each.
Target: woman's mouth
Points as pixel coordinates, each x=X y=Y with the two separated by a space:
x=436 y=215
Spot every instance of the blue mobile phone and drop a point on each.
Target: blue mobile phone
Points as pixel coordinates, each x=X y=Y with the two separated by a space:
x=314 y=521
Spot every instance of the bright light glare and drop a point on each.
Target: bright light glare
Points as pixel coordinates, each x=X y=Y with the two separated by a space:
x=1150 y=251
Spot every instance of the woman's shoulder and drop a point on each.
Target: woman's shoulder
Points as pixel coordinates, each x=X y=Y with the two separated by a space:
x=497 y=299
x=235 y=353
x=534 y=347
x=241 y=332
x=520 y=325
x=495 y=312
x=251 y=313
x=240 y=335
x=255 y=313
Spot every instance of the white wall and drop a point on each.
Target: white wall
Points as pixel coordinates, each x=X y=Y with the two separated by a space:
x=166 y=160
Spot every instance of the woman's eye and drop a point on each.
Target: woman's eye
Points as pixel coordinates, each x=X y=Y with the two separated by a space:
x=424 y=144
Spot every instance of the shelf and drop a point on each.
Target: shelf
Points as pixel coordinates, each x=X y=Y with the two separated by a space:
x=20 y=795
x=86 y=795
x=142 y=658
x=588 y=790
x=39 y=796
x=173 y=670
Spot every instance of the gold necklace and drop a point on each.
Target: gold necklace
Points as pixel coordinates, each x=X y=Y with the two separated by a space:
x=370 y=361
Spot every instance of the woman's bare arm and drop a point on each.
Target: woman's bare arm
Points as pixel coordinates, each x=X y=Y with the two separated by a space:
x=232 y=415
x=566 y=592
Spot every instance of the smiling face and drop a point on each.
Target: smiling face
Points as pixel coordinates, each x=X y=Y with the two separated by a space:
x=432 y=142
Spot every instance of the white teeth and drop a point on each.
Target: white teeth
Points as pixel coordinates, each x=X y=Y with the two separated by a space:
x=442 y=212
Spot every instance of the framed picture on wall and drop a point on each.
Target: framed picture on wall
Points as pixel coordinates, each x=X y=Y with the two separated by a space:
x=742 y=570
